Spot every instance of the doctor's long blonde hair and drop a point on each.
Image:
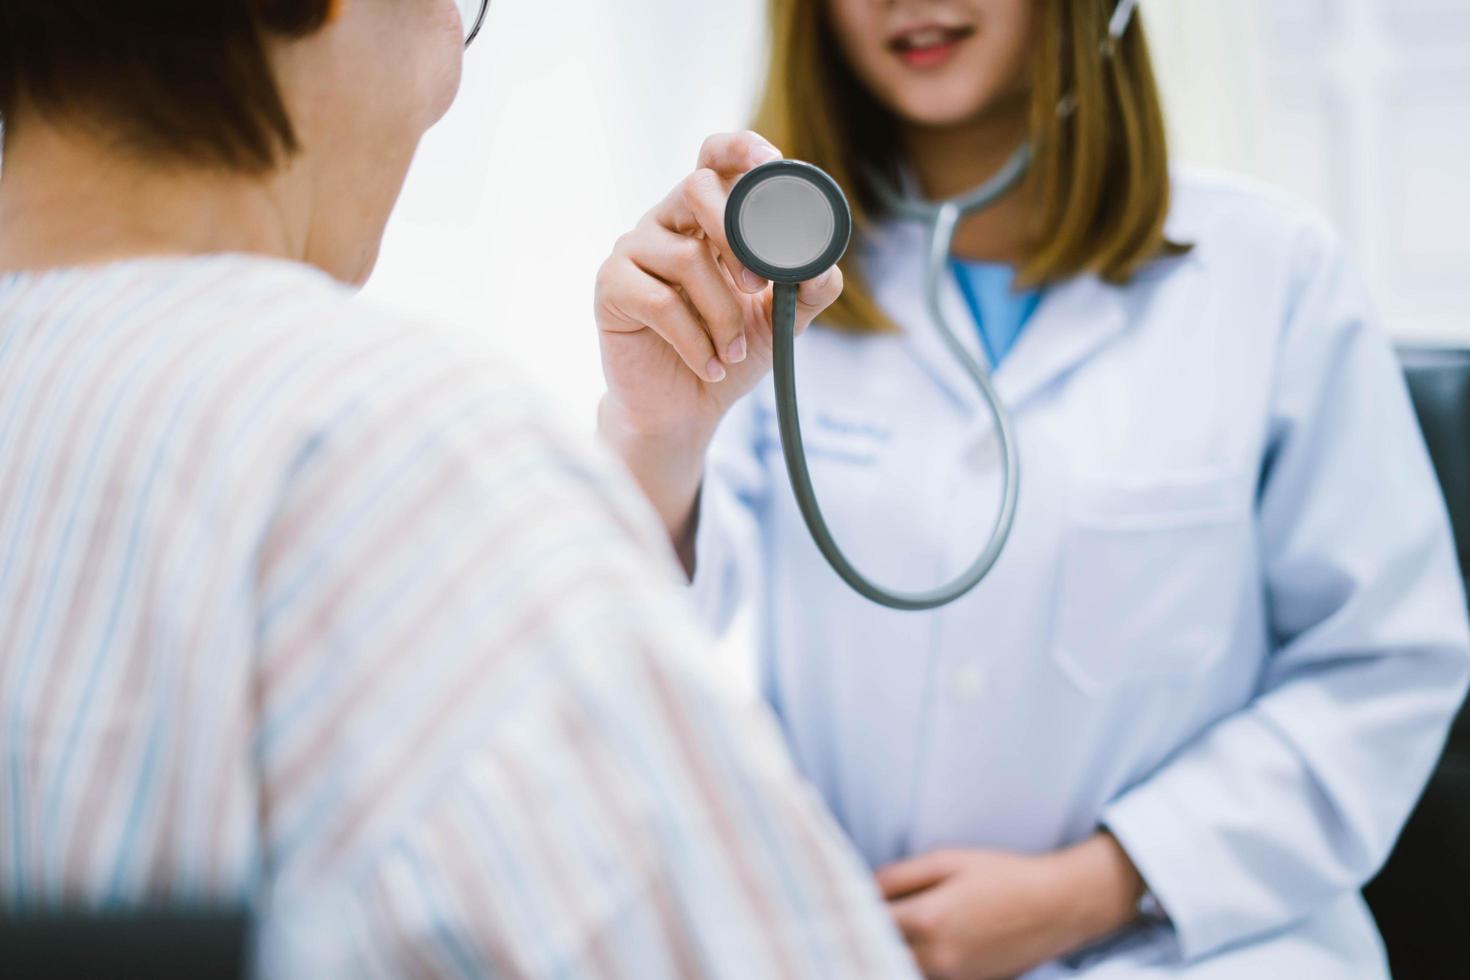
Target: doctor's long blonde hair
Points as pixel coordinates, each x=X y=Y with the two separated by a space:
x=1099 y=177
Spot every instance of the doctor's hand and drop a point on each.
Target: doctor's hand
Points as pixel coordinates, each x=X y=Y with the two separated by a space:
x=978 y=915
x=685 y=329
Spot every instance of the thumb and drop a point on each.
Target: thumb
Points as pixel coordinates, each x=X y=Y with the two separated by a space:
x=813 y=298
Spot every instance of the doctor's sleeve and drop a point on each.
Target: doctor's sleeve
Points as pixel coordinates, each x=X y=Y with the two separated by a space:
x=727 y=540
x=1299 y=797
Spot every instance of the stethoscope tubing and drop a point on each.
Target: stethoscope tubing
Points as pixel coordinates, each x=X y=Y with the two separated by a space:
x=943 y=220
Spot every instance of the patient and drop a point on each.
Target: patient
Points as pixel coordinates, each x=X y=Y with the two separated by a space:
x=302 y=607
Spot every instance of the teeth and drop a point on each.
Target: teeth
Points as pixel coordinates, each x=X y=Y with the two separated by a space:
x=927 y=39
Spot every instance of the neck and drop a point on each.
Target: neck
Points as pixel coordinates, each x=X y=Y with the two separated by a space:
x=950 y=160
x=68 y=198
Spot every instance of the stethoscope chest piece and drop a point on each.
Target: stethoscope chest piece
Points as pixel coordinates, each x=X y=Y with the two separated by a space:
x=788 y=221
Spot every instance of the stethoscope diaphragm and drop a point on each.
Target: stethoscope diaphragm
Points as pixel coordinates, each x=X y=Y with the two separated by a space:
x=788 y=221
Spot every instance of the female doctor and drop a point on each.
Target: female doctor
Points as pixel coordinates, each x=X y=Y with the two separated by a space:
x=1184 y=718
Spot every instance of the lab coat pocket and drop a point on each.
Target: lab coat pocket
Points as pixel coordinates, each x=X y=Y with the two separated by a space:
x=1149 y=579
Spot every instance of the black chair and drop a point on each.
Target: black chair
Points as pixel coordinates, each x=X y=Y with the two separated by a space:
x=1421 y=898
x=144 y=946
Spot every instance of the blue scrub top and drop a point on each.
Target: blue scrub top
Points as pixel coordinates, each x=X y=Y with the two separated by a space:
x=999 y=311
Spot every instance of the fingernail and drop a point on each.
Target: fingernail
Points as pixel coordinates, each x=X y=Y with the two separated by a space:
x=735 y=353
x=765 y=153
x=751 y=281
x=714 y=370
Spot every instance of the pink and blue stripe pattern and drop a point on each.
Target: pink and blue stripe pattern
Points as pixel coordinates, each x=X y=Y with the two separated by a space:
x=304 y=607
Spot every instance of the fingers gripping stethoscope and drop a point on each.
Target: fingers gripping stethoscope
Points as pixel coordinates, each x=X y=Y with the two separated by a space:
x=789 y=222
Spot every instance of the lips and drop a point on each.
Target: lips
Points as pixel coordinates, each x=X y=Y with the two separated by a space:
x=928 y=45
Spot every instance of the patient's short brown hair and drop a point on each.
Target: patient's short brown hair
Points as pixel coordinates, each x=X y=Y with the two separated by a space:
x=184 y=80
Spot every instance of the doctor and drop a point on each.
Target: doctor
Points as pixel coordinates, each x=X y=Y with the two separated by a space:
x=1183 y=720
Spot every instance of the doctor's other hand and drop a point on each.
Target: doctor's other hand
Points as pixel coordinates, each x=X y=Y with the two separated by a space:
x=685 y=328
x=989 y=915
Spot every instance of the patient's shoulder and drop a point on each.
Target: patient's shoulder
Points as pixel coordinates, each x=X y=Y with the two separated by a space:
x=389 y=395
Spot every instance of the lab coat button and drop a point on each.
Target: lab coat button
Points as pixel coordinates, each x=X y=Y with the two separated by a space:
x=969 y=682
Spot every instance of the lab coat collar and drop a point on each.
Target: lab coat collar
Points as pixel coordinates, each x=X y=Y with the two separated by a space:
x=1076 y=318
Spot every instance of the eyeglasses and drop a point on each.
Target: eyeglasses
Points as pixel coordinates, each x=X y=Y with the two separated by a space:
x=472 y=13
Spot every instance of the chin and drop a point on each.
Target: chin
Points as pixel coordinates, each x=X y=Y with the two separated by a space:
x=930 y=115
x=956 y=101
x=938 y=108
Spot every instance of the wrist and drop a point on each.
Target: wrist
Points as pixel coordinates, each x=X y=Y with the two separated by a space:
x=667 y=463
x=1101 y=887
x=619 y=424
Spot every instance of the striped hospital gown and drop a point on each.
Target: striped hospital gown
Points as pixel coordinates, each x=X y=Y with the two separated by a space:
x=303 y=607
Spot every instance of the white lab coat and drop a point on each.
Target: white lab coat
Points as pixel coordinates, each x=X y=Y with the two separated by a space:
x=1229 y=624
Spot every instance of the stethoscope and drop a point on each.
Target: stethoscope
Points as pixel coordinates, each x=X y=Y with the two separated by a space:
x=790 y=222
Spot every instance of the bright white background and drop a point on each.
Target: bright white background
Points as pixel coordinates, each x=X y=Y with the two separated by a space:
x=574 y=118
x=577 y=115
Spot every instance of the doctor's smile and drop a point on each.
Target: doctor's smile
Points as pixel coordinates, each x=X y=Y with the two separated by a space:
x=928 y=45
x=1067 y=502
